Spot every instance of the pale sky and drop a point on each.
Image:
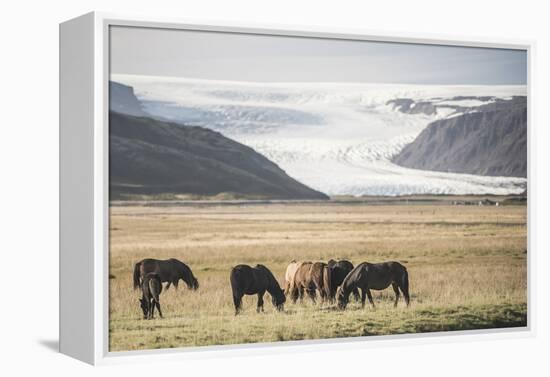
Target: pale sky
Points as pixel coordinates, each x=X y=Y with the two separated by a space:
x=260 y=58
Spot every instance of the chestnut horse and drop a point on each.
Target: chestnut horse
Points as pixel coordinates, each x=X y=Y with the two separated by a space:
x=309 y=278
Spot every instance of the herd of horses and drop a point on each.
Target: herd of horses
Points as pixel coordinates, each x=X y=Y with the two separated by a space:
x=334 y=281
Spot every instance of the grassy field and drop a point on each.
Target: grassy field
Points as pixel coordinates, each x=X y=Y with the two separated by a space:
x=467 y=268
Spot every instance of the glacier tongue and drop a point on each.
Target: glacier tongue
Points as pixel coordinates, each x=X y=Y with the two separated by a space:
x=334 y=137
x=364 y=168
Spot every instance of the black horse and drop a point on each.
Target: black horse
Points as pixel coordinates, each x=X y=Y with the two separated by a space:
x=246 y=280
x=367 y=276
x=336 y=273
x=151 y=287
x=171 y=271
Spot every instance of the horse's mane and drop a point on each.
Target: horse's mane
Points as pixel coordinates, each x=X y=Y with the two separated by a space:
x=187 y=276
x=272 y=280
x=185 y=268
x=351 y=274
x=348 y=277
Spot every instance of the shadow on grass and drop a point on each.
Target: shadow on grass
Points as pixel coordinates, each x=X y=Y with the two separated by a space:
x=457 y=319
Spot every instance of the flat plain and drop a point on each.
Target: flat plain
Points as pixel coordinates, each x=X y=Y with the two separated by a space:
x=467 y=268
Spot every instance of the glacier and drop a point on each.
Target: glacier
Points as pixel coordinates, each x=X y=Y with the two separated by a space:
x=338 y=138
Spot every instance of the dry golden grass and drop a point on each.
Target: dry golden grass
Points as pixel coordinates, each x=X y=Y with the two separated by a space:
x=467 y=268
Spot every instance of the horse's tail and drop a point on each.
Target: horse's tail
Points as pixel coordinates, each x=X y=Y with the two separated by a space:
x=405 y=285
x=155 y=287
x=327 y=282
x=136 y=274
x=234 y=279
x=236 y=289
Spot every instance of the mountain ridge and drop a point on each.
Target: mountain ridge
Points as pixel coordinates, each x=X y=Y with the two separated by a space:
x=490 y=141
x=154 y=157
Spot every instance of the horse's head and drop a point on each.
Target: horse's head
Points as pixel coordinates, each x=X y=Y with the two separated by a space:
x=278 y=299
x=341 y=298
x=144 y=307
x=194 y=284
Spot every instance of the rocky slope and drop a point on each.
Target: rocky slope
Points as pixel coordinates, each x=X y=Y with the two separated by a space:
x=491 y=141
x=152 y=157
x=122 y=100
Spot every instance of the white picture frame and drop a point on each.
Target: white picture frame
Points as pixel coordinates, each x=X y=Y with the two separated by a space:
x=84 y=207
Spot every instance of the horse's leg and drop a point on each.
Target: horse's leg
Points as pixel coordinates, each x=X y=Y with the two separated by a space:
x=237 y=300
x=176 y=282
x=363 y=297
x=370 y=297
x=330 y=296
x=260 y=306
x=298 y=293
x=317 y=286
x=301 y=292
x=151 y=308
x=356 y=294
x=323 y=296
x=396 y=290
x=158 y=307
x=168 y=285
x=293 y=292
x=311 y=292
x=322 y=293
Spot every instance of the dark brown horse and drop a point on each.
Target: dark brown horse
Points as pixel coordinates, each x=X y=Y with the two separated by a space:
x=246 y=280
x=336 y=273
x=367 y=276
x=309 y=278
x=170 y=270
x=151 y=287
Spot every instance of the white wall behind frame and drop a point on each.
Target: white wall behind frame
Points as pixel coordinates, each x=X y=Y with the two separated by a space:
x=29 y=160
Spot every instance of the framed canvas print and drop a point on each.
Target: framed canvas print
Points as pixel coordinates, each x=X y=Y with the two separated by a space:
x=235 y=189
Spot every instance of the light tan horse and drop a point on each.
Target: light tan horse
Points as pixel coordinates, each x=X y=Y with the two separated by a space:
x=289 y=274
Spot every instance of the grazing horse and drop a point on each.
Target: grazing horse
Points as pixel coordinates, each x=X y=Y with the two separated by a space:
x=336 y=273
x=318 y=278
x=151 y=287
x=289 y=274
x=300 y=283
x=310 y=277
x=367 y=276
x=170 y=270
x=246 y=280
